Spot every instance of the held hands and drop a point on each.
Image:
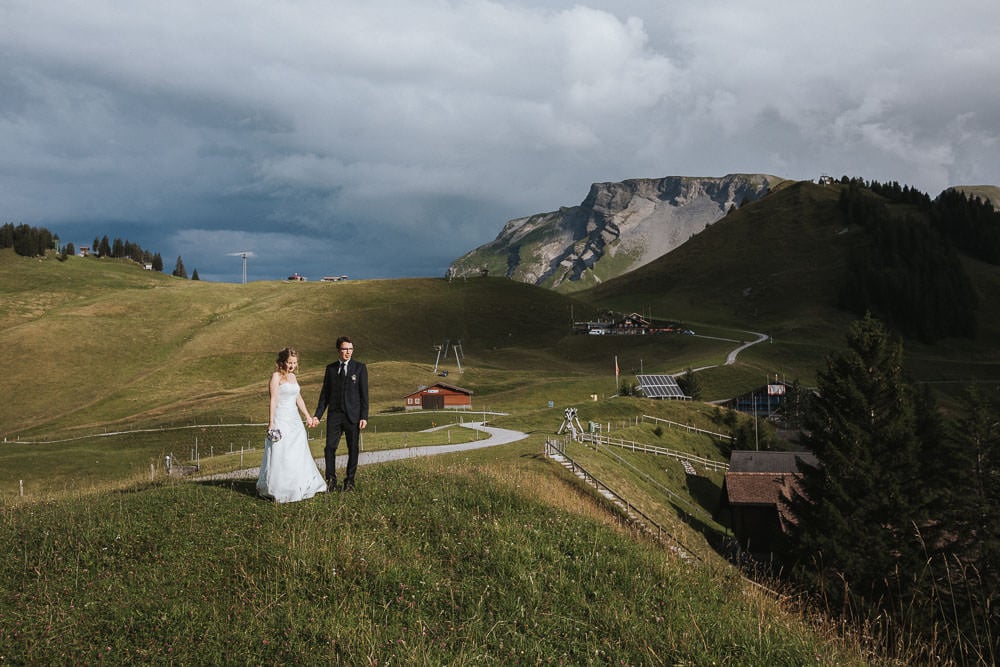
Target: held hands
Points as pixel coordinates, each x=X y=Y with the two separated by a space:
x=312 y=421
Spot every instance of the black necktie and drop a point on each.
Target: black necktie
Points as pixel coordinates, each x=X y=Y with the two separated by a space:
x=343 y=369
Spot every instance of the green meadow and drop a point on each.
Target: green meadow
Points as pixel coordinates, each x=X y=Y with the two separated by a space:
x=493 y=556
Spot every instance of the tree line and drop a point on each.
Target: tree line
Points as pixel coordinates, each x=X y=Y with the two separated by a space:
x=26 y=240
x=125 y=249
x=896 y=526
x=908 y=271
x=29 y=241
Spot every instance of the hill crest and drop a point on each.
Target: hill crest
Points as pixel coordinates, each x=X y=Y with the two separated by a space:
x=617 y=228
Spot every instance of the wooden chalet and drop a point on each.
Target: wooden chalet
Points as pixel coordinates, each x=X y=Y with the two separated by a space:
x=439 y=396
x=631 y=325
x=752 y=496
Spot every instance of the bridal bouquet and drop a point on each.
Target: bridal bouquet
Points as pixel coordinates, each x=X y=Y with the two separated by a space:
x=274 y=435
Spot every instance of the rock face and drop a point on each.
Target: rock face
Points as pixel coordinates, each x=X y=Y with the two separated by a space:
x=617 y=228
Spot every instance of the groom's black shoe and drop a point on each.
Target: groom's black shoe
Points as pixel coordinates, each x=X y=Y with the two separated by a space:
x=348 y=485
x=331 y=484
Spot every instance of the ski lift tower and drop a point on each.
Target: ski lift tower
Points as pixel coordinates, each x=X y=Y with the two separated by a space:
x=438 y=359
x=244 y=254
x=572 y=422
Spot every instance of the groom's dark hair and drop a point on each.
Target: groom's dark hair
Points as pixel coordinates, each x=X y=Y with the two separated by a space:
x=344 y=339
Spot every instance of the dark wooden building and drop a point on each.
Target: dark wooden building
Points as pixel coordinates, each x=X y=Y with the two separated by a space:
x=439 y=396
x=752 y=492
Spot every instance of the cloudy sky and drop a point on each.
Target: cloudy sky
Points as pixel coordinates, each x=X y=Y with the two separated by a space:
x=386 y=138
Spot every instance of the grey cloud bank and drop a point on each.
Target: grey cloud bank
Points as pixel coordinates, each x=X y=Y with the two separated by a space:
x=386 y=139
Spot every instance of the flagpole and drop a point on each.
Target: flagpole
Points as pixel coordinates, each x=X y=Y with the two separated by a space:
x=616 y=374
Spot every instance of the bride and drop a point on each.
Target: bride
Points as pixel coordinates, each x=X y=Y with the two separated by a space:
x=288 y=472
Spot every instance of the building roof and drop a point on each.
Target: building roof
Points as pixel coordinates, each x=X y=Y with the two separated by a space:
x=634 y=319
x=754 y=461
x=757 y=488
x=443 y=385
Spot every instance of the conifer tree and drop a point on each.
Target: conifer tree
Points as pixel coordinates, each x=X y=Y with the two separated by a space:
x=972 y=503
x=690 y=384
x=860 y=512
x=179 y=269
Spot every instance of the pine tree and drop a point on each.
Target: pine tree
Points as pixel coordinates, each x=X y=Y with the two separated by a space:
x=973 y=499
x=179 y=270
x=194 y=275
x=690 y=384
x=859 y=513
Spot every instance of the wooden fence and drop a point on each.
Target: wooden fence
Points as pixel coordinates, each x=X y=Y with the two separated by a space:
x=598 y=440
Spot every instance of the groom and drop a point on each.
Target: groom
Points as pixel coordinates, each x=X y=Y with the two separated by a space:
x=345 y=393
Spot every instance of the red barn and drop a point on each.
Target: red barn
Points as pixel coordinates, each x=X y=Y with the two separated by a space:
x=440 y=396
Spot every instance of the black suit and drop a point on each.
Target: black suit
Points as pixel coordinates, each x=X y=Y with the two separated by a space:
x=346 y=397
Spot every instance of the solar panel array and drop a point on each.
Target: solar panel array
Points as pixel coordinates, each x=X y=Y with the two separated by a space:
x=660 y=386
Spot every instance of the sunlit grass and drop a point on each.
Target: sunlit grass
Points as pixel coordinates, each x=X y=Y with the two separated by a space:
x=427 y=562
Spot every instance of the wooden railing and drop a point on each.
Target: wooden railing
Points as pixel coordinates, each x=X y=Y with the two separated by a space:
x=662 y=534
x=693 y=429
x=597 y=440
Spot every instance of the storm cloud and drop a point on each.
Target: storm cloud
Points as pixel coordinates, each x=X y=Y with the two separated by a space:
x=384 y=139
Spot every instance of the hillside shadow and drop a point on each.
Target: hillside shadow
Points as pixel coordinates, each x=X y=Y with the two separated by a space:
x=247 y=487
x=705 y=492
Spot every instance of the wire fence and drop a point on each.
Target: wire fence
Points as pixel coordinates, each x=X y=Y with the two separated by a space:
x=554 y=451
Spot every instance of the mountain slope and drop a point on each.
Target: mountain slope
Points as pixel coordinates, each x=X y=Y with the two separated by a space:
x=763 y=263
x=990 y=193
x=96 y=341
x=778 y=266
x=617 y=228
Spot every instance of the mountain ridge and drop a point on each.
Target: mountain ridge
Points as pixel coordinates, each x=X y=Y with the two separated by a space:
x=618 y=227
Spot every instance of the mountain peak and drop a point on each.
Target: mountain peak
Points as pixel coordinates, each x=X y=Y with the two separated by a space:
x=618 y=227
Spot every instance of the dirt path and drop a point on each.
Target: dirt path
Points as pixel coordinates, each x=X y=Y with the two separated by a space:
x=731 y=357
x=497 y=436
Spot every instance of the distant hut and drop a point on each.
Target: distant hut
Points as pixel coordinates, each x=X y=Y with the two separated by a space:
x=632 y=324
x=752 y=492
x=439 y=396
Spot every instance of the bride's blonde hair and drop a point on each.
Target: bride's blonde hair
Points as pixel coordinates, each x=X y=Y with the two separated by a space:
x=281 y=363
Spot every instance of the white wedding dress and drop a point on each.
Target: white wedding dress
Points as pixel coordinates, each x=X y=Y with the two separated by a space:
x=288 y=472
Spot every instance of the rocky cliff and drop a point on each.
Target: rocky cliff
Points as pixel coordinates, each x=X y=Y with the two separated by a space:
x=617 y=228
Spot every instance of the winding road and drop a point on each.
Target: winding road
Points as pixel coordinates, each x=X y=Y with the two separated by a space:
x=731 y=357
x=497 y=436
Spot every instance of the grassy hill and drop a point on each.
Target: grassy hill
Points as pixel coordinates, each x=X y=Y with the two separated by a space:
x=100 y=344
x=498 y=556
x=454 y=561
x=990 y=193
x=775 y=266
